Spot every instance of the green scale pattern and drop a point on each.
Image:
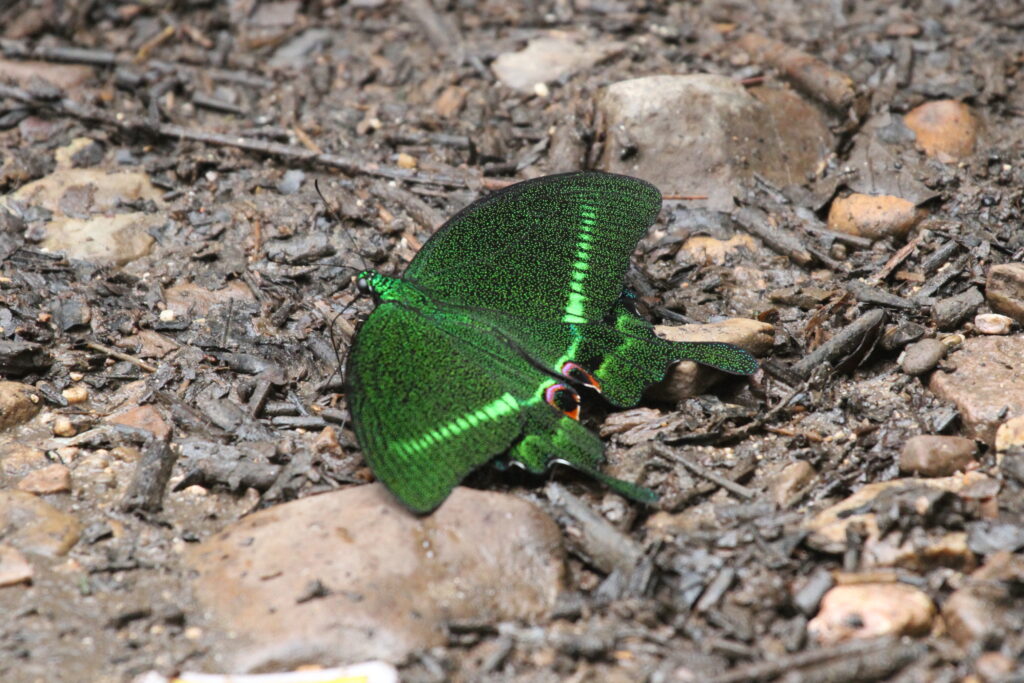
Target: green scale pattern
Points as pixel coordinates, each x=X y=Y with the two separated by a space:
x=451 y=369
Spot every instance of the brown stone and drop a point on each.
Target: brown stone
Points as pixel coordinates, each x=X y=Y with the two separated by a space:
x=53 y=479
x=390 y=579
x=1010 y=434
x=937 y=456
x=17 y=459
x=922 y=356
x=187 y=297
x=987 y=385
x=1004 y=290
x=873 y=216
x=828 y=527
x=993 y=323
x=982 y=610
x=704 y=134
x=145 y=417
x=870 y=610
x=14 y=568
x=790 y=480
x=945 y=129
x=19 y=403
x=688 y=378
x=32 y=525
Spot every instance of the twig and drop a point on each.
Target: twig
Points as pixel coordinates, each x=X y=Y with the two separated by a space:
x=779 y=240
x=895 y=260
x=607 y=547
x=808 y=73
x=848 y=339
x=114 y=353
x=146 y=490
x=701 y=471
x=346 y=164
x=857 y=649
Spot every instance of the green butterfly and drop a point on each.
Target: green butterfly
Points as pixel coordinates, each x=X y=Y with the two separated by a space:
x=505 y=315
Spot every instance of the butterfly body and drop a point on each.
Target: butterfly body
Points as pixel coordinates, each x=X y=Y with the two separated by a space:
x=510 y=311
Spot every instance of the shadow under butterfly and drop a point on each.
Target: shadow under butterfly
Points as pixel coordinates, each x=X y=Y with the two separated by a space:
x=482 y=347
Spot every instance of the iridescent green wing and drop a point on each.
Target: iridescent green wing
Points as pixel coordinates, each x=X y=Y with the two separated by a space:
x=552 y=248
x=620 y=357
x=435 y=396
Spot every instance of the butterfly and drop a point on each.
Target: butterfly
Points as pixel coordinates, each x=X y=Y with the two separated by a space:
x=507 y=318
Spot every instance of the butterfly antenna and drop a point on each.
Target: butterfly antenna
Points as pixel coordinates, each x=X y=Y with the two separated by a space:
x=333 y=212
x=335 y=343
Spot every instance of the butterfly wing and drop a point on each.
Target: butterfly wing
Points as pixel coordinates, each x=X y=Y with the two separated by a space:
x=428 y=413
x=553 y=248
x=424 y=410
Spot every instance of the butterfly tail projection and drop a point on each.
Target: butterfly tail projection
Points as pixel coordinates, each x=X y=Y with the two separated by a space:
x=551 y=437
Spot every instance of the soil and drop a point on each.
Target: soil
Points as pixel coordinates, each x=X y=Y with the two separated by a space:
x=289 y=145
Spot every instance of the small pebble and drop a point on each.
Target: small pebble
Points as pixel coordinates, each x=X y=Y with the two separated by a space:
x=291 y=181
x=791 y=479
x=994 y=666
x=62 y=426
x=945 y=129
x=14 y=568
x=76 y=394
x=993 y=323
x=53 y=479
x=405 y=161
x=168 y=315
x=921 y=357
x=1004 y=290
x=1010 y=434
x=869 y=610
x=874 y=217
x=932 y=455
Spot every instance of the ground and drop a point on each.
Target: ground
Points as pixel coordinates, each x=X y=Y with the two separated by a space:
x=187 y=192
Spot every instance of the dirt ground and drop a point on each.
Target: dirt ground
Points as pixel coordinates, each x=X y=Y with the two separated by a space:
x=171 y=282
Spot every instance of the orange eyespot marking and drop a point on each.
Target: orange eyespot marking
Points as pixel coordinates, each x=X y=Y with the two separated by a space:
x=575 y=372
x=564 y=400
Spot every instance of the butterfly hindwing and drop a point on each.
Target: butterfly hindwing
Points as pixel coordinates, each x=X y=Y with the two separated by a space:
x=553 y=248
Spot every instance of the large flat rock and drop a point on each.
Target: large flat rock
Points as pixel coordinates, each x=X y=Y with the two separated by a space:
x=352 y=575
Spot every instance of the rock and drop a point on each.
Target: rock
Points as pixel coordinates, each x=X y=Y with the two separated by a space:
x=951 y=312
x=945 y=129
x=63 y=427
x=921 y=552
x=150 y=343
x=873 y=216
x=870 y=610
x=104 y=240
x=827 y=529
x=937 y=456
x=76 y=394
x=63 y=76
x=353 y=575
x=32 y=525
x=17 y=459
x=1010 y=434
x=994 y=667
x=55 y=478
x=993 y=323
x=187 y=297
x=982 y=611
x=987 y=385
x=145 y=417
x=922 y=357
x=1004 y=290
x=705 y=250
x=103 y=192
x=550 y=58
x=291 y=181
x=14 y=568
x=19 y=403
x=703 y=134
x=789 y=481
x=688 y=379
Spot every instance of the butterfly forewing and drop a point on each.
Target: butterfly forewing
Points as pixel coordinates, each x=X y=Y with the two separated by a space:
x=554 y=248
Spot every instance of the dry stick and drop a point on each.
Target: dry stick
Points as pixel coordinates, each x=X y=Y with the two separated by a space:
x=608 y=548
x=895 y=260
x=701 y=471
x=807 y=72
x=846 y=341
x=776 y=238
x=114 y=353
x=761 y=671
x=346 y=164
